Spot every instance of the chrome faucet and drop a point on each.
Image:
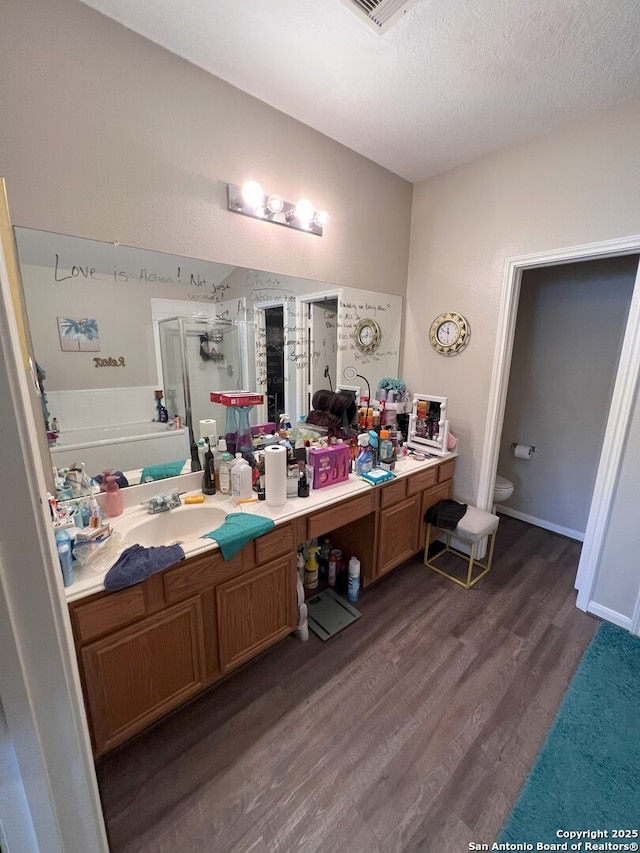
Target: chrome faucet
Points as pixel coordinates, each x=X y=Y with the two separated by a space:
x=162 y=503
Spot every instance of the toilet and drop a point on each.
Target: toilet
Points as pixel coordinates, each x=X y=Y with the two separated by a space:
x=502 y=490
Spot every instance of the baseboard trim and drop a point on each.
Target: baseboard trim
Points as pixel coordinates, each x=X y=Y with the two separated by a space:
x=609 y=615
x=541 y=522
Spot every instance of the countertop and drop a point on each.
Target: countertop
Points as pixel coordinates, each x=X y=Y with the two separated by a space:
x=90 y=579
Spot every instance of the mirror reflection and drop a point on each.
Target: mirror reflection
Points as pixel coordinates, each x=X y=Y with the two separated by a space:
x=428 y=424
x=115 y=326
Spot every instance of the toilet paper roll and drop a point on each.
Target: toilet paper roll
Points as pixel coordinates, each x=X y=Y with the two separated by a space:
x=208 y=428
x=522 y=451
x=275 y=475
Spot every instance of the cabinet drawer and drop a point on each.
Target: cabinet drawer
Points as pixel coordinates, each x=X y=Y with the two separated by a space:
x=111 y=611
x=445 y=471
x=338 y=516
x=433 y=496
x=391 y=493
x=275 y=543
x=422 y=480
x=198 y=574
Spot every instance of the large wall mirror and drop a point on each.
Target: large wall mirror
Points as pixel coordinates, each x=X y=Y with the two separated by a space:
x=111 y=325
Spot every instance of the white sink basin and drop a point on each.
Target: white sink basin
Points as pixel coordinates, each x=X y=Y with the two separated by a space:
x=176 y=526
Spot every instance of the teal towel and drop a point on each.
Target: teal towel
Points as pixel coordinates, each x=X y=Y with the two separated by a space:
x=161 y=472
x=238 y=529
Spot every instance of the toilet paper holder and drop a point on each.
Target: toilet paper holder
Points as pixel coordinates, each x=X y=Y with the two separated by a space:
x=515 y=444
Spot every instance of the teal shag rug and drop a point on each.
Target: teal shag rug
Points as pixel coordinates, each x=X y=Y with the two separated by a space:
x=587 y=773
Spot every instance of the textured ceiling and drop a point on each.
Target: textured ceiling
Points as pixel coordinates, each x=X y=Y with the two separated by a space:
x=450 y=81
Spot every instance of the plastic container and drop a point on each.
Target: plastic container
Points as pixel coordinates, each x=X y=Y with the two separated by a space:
x=241 y=479
x=386 y=448
x=114 y=504
x=311 y=568
x=218 y=451
x=353 y=588
x=223 y=474
x=63 y=544
x=364 y=459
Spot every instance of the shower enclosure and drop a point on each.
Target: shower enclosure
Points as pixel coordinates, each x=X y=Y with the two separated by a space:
x=201 y=354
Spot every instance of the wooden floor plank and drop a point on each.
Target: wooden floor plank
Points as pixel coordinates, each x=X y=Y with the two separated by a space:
x=411 y=730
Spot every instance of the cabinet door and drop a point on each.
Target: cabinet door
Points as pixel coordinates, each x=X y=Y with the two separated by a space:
x=255 y=610
x=136 y=675
x=398 y=533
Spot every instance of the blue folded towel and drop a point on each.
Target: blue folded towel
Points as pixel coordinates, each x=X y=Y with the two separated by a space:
x=136 y=563
x=161 y=472
x=238 y=529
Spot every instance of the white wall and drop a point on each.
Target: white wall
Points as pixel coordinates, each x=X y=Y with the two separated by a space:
x=571 y=320
x=572 y=186
x=106 y=135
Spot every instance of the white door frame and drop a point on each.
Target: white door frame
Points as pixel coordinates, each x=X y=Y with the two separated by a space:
x=619 y=413
x=39 y=681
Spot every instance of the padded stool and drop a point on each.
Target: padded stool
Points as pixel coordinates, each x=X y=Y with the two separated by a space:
x=473 y=527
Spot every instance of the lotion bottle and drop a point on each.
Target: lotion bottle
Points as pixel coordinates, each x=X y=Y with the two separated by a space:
x=113 y=500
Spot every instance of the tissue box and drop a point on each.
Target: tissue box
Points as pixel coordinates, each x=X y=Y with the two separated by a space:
x=330 y=465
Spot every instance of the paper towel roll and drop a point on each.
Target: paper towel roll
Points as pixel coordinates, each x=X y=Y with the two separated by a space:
x=275 y=475
x=522 y=451
x=209 y=428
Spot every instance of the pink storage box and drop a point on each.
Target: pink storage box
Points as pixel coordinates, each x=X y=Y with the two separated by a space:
x=236 y=398
x=330 y=465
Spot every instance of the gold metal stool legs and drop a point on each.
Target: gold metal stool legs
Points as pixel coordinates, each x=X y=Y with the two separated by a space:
x=471 y=561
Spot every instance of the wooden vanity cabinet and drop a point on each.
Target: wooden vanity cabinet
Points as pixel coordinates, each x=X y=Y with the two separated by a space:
x=146 y=649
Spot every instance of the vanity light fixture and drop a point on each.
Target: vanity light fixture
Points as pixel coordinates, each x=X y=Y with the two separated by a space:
x=251 y=200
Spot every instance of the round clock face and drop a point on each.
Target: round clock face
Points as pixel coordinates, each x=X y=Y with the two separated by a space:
x=449 y=333
x=367 y=336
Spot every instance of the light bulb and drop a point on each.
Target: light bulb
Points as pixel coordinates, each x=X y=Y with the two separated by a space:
x=252 y=194
x=275 y=203
x=304 y=210
x=321 y=218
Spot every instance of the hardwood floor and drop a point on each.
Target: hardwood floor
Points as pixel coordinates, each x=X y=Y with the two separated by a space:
x=412 y=730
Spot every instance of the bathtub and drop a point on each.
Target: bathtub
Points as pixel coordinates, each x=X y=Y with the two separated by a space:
x=123 y=447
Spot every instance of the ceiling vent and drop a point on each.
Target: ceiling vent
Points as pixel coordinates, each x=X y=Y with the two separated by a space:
x=380 y=14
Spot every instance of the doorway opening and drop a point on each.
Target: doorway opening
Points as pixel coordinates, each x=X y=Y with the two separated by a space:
x=619 y=416
x=570 y=325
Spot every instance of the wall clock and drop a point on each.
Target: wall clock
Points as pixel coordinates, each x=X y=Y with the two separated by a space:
x=367 y=336
x=449 y=333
